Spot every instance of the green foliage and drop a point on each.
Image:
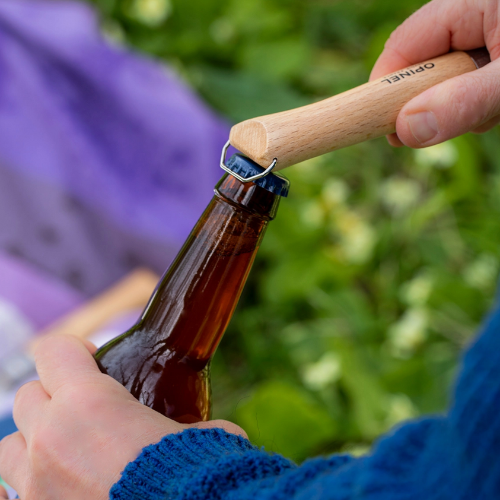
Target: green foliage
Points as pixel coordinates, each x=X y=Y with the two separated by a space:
x=276 y=415
x=381 y=263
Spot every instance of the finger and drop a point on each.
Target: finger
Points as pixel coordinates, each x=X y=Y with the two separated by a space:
x=3 y=493
x=61 y=360
x=394 y=141
x=487 y=126
x=451 y=108
x=221 y=424
x=14 y=465
x=34 y=344
x=91 y=347
x=29 y=405
x=437 y=28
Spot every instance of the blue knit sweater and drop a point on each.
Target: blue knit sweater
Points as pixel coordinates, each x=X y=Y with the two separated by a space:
x=455 y=456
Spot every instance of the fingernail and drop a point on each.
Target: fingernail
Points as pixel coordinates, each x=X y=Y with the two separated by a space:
x=423 y=126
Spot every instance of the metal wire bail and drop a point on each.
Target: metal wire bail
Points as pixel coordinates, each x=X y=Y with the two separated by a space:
x=267 y=171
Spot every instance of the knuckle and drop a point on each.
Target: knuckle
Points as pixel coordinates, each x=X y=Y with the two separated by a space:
x=53 y=342
x=43 y=345
x=460 y=94
x=4 y=443
x=411 y=27
x=468 y=101
x=55 y=351
x=393 y=41
x=492 y=27
x=84 y=397
x=42 y=442
x=8 y=448
x=24 y=391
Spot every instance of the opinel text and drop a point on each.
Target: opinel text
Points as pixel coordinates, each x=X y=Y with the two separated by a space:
x=408 y=73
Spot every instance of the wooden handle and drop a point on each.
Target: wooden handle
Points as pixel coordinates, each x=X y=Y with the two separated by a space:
x=349 y=118
x=132 y=292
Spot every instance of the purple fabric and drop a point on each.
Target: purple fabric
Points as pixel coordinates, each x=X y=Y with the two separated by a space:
x=40 y=297
x=106 y=159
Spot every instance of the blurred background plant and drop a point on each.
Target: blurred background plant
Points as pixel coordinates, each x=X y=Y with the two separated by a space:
x=381 y=263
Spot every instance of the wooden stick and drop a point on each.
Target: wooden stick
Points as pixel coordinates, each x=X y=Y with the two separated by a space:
x=349 y=118
x=132 y=292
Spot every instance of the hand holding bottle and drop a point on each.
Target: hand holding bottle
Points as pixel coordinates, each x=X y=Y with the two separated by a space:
x=78 y=428
x=470 y=102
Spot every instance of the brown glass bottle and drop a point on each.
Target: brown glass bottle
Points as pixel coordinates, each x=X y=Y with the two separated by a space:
x=164 y=360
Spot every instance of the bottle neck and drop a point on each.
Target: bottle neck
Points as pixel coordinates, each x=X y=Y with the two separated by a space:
x=248 y=196
x=196 y=297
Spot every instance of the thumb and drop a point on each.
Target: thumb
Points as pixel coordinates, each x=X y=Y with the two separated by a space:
x=62 y=360
x=469 y=102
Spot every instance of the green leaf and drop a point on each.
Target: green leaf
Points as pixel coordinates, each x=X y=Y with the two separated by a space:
x=276 y=60
x=285 y=420
x=241 y=96
x=367 y=397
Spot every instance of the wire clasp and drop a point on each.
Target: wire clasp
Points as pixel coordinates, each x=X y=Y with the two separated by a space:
x=267 y=171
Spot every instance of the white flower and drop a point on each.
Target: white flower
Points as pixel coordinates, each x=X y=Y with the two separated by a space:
x=334 y=193
x=439 y=156
x=399 y=194
x=222 y=30
x=482 y=273
x=400 y=408
x=313 y=214
x=357 y=237
x=325 y=371
x=307 y=170
x=356 y=449
x=409 y=332
x=417 y=291
x=151 y=12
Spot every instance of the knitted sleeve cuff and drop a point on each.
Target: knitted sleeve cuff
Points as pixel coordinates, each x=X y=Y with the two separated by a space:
x=195 y=463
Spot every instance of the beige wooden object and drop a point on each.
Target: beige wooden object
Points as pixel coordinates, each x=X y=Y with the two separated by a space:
x=363 y=113
x=132 y=292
